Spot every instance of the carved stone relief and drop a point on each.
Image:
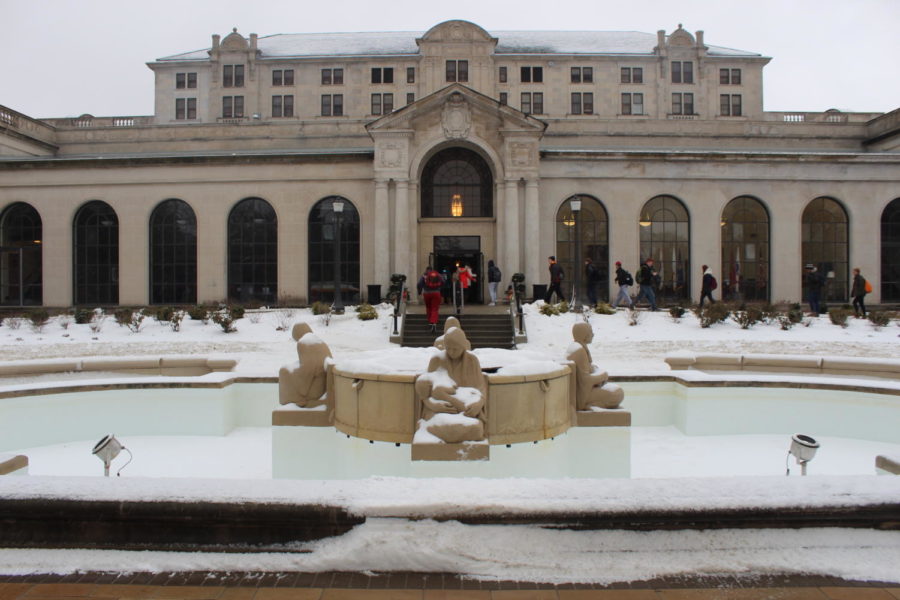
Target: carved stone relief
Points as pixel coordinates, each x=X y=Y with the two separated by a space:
x=456 y=118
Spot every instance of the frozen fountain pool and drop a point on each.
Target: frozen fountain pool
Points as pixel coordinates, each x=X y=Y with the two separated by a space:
x=681 y=427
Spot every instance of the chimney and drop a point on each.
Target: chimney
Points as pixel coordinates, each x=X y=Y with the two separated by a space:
x=216 y=38
x=661 y=38
x=253 y=37
x=700 y=38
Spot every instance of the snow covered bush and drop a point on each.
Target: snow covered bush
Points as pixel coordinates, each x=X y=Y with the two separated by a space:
x=283 y=319
x=39 y=318
x=199 y=313
x=676 y=312
x=96 y=322
x=634 y=316
x=130 y=318
x=366 y=312
x=225 y=319
x=563 y=307
x=602 y=308
x=14 y=322
x=176 y=319
x=879 y=318
x=786 y=322
x=320 y=308
x=164 y=314
x=711 y=314
x=839 y=316
x=549 y=309
x=747 y=317
x=83 y=316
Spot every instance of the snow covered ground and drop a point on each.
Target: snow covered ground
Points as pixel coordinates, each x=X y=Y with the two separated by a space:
x=486 y=552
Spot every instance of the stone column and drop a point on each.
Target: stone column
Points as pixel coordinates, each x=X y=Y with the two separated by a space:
x=401 y=228
x=412 y=246
x=511 y=218
x=382 y=232
x=532 y=242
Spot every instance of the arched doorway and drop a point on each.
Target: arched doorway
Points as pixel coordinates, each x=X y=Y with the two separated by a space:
x=825 y=244
x=253 y=252
x=173 y=253
x=745 y=250
x=21 y=266
x=592 y=226
x=665 y=233
x=96 y=254
x=890 y=252
x=323 y=224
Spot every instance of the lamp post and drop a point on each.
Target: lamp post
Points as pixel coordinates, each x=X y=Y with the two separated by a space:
x=575 y=205
x=338 y=306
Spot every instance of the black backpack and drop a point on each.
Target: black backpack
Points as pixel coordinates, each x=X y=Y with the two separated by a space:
x=627 y=279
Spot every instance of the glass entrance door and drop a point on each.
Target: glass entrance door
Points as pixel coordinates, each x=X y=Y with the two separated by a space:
x=452 y=252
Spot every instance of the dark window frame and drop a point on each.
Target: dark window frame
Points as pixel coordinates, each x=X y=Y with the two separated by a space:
x=252 y=262
x=173 y=253
x=96 y=254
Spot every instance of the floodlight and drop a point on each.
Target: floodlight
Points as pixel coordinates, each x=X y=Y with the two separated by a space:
x=107 y=449
x=803 y=448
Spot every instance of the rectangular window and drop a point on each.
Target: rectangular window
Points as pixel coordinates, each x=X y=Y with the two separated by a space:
x=457 y=70
x=238 y=75
x=180 y=81
x=382 y=74
x=525 y=105
x=504 y=98
x=682 y=104
x=730 y=76
x=581 y=74
x=233 y=76
x=682 y=71
x=232 y=107
x=326 y=76
x=537 y=103
x=282 y=106
x=288 y=77
x=632 y=103
x=502 y=74
x=180 y=108
x=191 y=80
x=332 y=105
x=329 y=77
x=736 y=105
x=276 y=106
x=410 y=74
x=376 y=104
x=282 y=77
x=382 y=104
x=631 y=75
x=576 y=103
x=191 y=108
x=531 y=74
x=725 y=104
x=410 y=98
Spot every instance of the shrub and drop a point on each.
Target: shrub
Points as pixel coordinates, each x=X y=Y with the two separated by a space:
x=39 y=318
x=795 y=314
x=366 y=312
x=320 y=308
x=748 y=317
x=602 y=308
x=283 y=319
x=130 y=318
x=65 y=321
x=563 y=307
x=199 y=313
x=14 y=322
x=255 y=317
x=164 y=314
x=83 y=316
x=237 y=311
x=225 y=319
x=549 y=309
x=175 y=319
x=879 y=318
x=839 y=316
x=676 y=312
x=769 y=312
x=786 y=322
x=96 y=322
x=634 y=316
x=711 y=314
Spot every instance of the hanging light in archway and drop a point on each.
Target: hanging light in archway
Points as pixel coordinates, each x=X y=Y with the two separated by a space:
x=456 y=205
x=645 y=220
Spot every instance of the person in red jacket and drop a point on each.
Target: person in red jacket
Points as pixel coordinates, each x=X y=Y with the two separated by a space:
x=429 y=286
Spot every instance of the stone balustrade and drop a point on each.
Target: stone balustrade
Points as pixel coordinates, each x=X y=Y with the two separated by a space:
x=786 y=363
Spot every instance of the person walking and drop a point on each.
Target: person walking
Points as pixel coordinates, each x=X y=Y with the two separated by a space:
x=646 y=280
x=494 y=277
x=466 y=279
x=707 y=286
x=556 y=277
x=429 y=287
x=814 y=284
x=592 y=277
x=624 y=281
x=858 y=292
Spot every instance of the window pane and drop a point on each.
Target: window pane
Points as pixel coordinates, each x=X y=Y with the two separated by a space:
x=389 y=75
x=179 y=80
x=537 y=103
x=410 y=98
x=502 y=74
x=723 y=76
x=736 y=76
x=724 y=105
x=326 y=76
x=736 y=105
x=191 y=108
x=676 y=72
x=276 y=77
x=326 y=105
x=676 y=104
x=239 y=76
x=179 y=108
x=463 y=70
x=227 y=76
x=626 y=104
x=575 y=74
x=504 y=98
x=450 y=74
x=376 y=104
x=637 y=104
x=576 y=103
x=338 y=105
x=537 y=74
x=525 y=75
x=388 y=104
x=688 y=104
x=688 y=71
x=410 y=74
x=238 y=106
x=526 y=102
x=625 y=75
x=376 y=75
x=637 y=75
x=588 y=103
x=276 y=106
x=587 y=74
x=288 y=77
x=338 y=76
x=289 y=106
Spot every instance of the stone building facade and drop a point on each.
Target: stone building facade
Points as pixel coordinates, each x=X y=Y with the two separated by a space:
x=456 y=145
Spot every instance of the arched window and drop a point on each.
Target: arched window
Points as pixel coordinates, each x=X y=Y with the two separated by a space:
x=890 y=252
x=825 y=244
x=666 y=237
x=96 y=254
x=253 y=252
x=21 y=267
x=745 y=250
x=173 y=253
x=593 y=230
x=322 y=234
x=457 y=182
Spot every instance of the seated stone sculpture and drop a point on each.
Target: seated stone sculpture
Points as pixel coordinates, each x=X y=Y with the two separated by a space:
x=452 y=392
x=591 y=383
x=448 y=324
x=304 y=382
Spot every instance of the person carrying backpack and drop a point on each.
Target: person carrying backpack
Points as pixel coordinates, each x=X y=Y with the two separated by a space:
x=556 y=277
x=429 y=286
x=858 y=292
x=647 y=279
x=624 y=281
x=707 y=286
x=494 y=277
x=592 y=276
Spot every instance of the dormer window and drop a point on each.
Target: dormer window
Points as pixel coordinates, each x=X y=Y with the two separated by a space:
x=457 y=70
x=682 y=71
x=233 y=76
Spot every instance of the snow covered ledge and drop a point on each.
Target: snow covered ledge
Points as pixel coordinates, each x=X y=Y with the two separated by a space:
x=785 y=363
x=150 y=365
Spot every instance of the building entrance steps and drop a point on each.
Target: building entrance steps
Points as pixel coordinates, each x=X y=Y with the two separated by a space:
x=485 y=327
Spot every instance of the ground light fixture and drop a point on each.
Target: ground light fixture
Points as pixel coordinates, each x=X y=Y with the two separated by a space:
x=107 y=449
x=803 y=448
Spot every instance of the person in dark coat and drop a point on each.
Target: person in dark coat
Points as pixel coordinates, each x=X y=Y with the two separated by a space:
x=707 y=286
x=494 y=277
x=647 y=279
x=556 y=277
x=624 y=281
x=814 y=284
x=858 y=293
x=592 y=277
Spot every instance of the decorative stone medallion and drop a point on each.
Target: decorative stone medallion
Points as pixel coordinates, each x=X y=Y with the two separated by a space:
x=456 y=118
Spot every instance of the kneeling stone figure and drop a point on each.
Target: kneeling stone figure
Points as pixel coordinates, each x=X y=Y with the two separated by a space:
x=592 y=387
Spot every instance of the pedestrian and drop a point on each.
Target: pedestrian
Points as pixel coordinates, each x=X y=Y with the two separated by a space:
x=494 y=277
x=646 y=281
x=429 y=287
x=556 y=277
x=592 y=277
x=466 y=280
x=814 y=284
x=707 y=286
x=624 y=281
x=858 y=292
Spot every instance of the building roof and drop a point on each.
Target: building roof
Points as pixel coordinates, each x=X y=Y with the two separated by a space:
x=310 y=45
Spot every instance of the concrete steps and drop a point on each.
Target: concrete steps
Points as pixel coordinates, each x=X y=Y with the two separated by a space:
x=483 y=330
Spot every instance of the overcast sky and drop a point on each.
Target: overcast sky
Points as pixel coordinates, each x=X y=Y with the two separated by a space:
x=65 y=58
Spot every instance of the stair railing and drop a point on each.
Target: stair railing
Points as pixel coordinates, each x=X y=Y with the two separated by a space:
x=458 y=300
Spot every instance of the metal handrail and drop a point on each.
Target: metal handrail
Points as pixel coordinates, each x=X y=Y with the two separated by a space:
x=458 y=299
x=399 y=307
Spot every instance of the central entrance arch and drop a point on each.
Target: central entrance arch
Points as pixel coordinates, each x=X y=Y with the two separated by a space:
x=457 y=227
